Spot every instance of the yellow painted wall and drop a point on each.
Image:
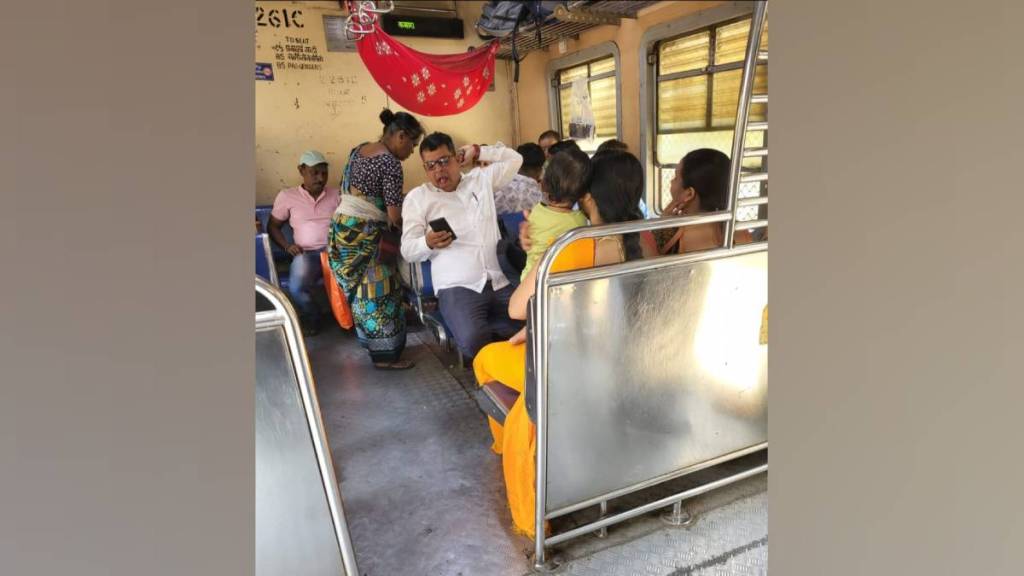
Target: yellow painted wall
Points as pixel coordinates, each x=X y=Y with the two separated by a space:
x=533 y=92
x=336 y=108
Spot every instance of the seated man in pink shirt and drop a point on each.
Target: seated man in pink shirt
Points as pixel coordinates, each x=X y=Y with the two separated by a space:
x=308 y=208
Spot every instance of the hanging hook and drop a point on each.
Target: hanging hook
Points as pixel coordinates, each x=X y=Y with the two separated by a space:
x=363 y=16
x=356 y=28
x=384 y=6
x=358 y=25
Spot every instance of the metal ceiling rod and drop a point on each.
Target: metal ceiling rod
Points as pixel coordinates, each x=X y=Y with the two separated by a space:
x=586 y=16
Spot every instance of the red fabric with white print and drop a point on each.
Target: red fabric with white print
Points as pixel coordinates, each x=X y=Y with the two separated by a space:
x=428 y=84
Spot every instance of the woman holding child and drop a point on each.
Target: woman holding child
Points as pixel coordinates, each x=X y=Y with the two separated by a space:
x=615 y=182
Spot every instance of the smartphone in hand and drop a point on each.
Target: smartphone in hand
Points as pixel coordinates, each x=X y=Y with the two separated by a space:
x=441 y=225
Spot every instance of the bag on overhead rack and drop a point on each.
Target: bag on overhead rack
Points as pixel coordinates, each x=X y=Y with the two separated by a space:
x=503 y=19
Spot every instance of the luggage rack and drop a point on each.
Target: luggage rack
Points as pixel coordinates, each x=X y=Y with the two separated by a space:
x=555 y=29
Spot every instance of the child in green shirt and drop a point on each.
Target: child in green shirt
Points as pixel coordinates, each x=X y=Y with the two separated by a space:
x=566 y=179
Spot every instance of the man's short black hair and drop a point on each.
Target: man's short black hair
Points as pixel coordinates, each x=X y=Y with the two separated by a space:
x=613 y=144
x=533 y=156
x=435 y=141
x=549 y=134
x=562 y=146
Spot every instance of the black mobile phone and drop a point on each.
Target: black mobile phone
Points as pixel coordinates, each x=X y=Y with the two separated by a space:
x=441 y=225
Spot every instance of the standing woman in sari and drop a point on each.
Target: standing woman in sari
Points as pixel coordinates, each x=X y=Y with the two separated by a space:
x=360 y=243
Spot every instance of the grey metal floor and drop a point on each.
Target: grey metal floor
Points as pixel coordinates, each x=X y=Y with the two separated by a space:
x=423 y=493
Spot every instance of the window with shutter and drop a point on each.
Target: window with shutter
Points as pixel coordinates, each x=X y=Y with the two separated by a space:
x=698 y=81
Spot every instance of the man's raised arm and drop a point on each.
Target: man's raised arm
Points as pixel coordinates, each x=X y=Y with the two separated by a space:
x=504 y=163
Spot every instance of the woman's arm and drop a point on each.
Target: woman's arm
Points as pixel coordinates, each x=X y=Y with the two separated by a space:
x=518 y=337
x=395 y=216
x=518 y=304
x=392 y=182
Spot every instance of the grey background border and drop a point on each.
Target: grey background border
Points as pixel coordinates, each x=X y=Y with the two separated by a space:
x=894 y=287
x=125 y=400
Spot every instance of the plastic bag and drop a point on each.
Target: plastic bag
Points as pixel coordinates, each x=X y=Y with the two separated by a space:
x=339 y=304
x=581 y=116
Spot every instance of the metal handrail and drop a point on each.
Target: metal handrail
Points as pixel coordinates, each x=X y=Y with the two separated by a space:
x=416 y=284
x=650 y=483
x=640 y=510
x=284 y=315
x=636 y=226
x=651 y=264
x=544 y=281
x=269 y=257
x=544 y=276
x=739 y=134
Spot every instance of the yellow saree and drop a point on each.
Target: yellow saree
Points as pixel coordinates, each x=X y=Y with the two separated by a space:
x=516 y=441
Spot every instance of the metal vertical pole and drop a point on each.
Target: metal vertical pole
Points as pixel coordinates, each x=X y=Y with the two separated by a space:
x=678 y=516
x=739 y=135
x=540 y=343
x=603 y=532
x=540 y=356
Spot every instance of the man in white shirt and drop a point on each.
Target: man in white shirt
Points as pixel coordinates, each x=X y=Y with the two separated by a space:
x=472 y=290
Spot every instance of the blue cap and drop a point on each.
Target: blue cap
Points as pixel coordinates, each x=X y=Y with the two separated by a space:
x=312 y=158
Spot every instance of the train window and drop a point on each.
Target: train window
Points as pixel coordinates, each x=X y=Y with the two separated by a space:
x=698 y=81
x=603 y=98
